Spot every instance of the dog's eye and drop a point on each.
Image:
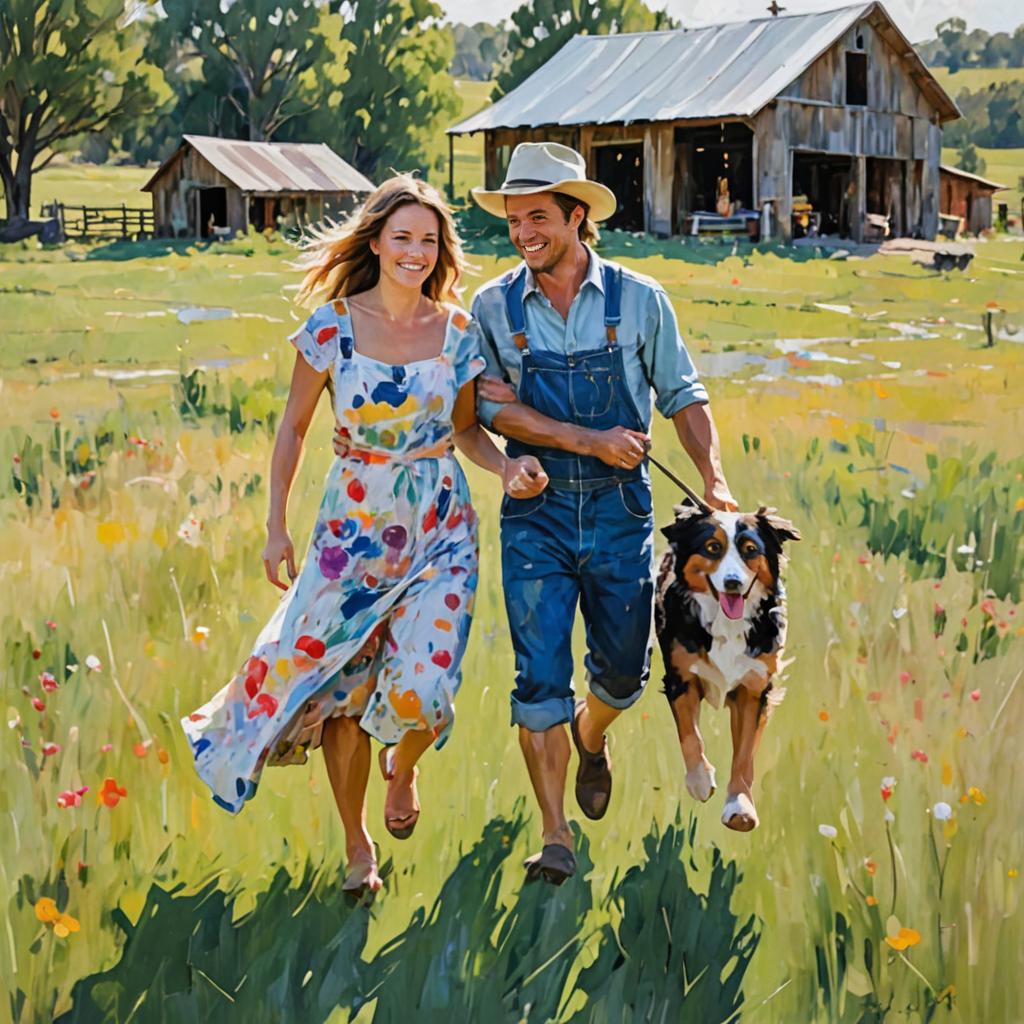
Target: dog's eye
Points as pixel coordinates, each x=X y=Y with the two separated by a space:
x=749 y=550
x=713 y=548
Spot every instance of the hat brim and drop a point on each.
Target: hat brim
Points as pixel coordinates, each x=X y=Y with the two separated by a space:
x=598 y=197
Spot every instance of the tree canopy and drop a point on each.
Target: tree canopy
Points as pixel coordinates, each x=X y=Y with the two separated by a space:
x=66 y=68
x=542 y=27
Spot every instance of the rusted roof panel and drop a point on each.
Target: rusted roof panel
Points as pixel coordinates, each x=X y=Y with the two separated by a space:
x=277 y=166
x=730 y=70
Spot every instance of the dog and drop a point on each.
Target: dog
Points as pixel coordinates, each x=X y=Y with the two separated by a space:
x=720 y=618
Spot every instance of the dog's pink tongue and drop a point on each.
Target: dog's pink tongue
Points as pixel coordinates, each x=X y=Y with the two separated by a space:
x=732 y=605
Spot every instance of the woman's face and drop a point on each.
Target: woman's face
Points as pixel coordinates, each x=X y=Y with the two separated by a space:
x=408 y=245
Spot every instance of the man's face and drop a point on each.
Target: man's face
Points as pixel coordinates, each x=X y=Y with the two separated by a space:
x=539 y=230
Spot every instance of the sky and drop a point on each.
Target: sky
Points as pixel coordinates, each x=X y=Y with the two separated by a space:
x=917 y=18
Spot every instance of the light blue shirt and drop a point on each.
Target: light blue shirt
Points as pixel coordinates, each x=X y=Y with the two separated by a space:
x=654 y=354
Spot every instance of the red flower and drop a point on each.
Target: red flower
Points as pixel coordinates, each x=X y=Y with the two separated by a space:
x=49 y=749
x=48 y=681
x=38 y=704
x=111 y=792
x=264 y=704
x=72 y=797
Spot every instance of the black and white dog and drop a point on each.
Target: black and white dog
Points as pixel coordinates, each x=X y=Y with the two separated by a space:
x=720 y=616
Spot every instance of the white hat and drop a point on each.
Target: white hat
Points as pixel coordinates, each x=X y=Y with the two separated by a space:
x=547 y=167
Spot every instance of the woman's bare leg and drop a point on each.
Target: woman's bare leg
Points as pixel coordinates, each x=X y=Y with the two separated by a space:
x=347 y=754
x=402 y=803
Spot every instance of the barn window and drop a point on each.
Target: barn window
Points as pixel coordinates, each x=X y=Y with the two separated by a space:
x=856 y=79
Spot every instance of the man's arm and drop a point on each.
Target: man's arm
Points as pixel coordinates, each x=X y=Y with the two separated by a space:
x=616 y=447
x=697 y=432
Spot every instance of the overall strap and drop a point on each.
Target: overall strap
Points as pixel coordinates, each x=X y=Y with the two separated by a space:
x=513 y=287
x=612 y=277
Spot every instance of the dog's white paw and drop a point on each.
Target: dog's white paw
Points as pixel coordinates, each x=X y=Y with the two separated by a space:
x=739 y=813
x=700 y=782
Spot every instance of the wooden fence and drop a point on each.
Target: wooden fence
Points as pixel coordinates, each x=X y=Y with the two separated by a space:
x=102 y=221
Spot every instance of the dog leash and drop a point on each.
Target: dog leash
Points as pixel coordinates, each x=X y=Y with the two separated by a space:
x=687 y=490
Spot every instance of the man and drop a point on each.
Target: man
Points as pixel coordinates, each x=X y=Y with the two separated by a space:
x=582 y=341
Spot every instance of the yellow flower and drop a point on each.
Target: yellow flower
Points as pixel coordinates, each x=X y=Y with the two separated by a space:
x=976 y=795
x=63 y=924
x=906 y=938
x=1012 y=873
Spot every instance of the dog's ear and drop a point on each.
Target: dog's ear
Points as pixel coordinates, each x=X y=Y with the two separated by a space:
x=687 y=515
x=782 y=528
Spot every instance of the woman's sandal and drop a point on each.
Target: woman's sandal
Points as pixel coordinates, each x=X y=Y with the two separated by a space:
x=362 y=877
x=387 y=770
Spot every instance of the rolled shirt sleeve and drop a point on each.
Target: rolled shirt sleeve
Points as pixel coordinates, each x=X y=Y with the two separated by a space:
x=486 y=411
x=666 y=360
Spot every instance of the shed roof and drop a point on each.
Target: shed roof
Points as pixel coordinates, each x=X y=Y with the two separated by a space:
x=274 y=166
x=730 y=70
x=957 y=172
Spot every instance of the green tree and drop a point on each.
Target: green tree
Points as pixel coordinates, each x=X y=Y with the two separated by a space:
x=256 y=57
x=967 y=159
x=396 y=96
x=66 y=69
x=542 y=27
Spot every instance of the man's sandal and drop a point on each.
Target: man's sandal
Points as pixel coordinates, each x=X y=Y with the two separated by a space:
x=555 y=863
x=594 y=775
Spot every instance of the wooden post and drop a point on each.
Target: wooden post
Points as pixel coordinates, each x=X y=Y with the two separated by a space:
x=988 y=330
x=124 y=221
x=451 y=168
x=860 y=200
x=85 y=221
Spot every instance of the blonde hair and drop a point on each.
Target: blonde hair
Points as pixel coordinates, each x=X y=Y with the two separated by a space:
x=339 y=261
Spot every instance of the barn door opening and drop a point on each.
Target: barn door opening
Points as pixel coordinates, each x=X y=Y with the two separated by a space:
x=824 y=200
x=213 y=210
x=621 y=167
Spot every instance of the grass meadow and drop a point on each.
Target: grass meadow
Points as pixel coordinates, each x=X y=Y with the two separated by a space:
x=857 y=396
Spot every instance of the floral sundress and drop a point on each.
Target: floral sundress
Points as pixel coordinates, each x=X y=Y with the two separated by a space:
x=376 y=623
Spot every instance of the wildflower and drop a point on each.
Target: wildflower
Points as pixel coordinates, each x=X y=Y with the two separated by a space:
x=975 y=695
x=38 y=704
x=977 y=796
x=904 y=678
x=889 y=816
x=828 y=831
x=141 y=749
x=888 y=785
x=942 y=811
x=870 y=866
x=63 y=924
x=920 y=755
x=906 y=938
x=72 y=797
x=49 y=749
x=823 y=715
x=106 y=748
x=111 y=792
x=93 y=664
x=189 y=531
x=872 y=902
x=199 y=635
x=48 y=681
x=162 y=756
x=50 y=624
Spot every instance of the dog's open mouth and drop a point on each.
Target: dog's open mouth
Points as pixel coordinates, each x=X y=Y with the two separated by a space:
x=731 y=604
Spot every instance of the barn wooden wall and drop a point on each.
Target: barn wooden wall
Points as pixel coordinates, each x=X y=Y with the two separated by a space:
x=174 y=191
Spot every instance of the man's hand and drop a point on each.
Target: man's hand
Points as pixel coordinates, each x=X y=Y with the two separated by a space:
x=279 y=549
x=523 y=477
x=718 y=495
x=490 y=389
x=619 y=447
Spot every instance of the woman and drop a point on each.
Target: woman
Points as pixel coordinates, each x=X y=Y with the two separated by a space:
x=369 y=638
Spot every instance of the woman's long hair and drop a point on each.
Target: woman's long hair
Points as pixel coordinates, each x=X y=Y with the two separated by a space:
x=339 y=261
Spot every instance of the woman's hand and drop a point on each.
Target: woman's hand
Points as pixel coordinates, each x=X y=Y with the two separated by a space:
x=490 y=389
x=279 y=549
x=523 y=477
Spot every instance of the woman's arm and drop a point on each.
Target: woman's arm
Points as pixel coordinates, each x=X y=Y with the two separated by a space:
x=521 y=478
x=304 y=393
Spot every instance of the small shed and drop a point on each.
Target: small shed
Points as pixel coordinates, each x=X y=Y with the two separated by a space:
x=804 y=124
x=968 y=197
x=212 y=186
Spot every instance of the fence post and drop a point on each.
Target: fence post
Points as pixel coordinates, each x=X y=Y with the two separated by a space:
x=85 y=221
x=124 y=221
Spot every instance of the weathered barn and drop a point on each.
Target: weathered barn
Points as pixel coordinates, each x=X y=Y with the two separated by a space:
x=824 y=123
x=967 y=197
x=219 y=186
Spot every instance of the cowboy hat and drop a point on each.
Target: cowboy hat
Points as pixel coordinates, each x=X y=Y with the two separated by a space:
x=547 y=167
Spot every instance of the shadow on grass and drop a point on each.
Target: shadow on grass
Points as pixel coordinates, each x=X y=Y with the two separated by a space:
x=299 y=956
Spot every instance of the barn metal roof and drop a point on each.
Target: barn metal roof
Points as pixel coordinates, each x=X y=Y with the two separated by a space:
x=730 y=70
x=957 y=172
x=275 y=166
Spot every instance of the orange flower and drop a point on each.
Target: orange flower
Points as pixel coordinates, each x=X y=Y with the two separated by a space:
x=906 y=938
x=111 y=792
x=63 y=924
x=872 y=902
x=870 y=866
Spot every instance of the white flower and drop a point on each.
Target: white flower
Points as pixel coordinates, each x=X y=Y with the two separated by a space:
x=888 y=781
x=828 y=831
x=942 y=811
x=190 y=531
x=93 y=664
x=889 y=816
x=898 y=613
x=965 y=549
x=908 y=493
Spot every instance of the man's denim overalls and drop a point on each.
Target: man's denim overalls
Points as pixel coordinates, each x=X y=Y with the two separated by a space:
x=587 y=538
